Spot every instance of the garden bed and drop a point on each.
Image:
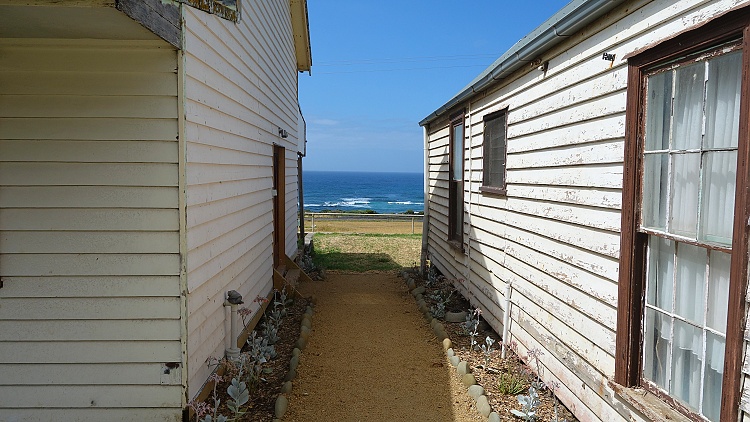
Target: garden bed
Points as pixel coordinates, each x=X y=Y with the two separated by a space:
x=503 y=380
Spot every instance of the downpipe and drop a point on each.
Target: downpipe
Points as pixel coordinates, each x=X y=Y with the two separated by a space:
x=506 y=319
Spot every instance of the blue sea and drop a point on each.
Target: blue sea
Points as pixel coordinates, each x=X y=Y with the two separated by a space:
x=384 y=193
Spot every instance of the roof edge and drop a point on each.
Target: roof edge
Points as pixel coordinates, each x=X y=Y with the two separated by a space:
x=574 y=16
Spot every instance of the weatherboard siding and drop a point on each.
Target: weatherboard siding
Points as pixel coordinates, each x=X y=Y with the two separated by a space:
x=240 y=88
x=89 y=230
x=555 y=236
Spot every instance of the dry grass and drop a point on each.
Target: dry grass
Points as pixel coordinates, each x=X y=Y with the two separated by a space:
x=363 y=226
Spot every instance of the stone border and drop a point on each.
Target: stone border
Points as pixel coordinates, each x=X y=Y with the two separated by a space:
x=282 y=402
x=463 y=369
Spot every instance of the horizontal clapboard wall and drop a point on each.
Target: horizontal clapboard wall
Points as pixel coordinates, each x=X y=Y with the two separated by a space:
x=89 y=231
x=240 y=88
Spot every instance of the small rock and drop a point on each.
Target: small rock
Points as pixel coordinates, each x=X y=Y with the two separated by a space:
x=281 y=405
x=286 y=388
x=291 y=375
x=305 y=331
x=447 y=344
x=296 y=352
x=450 y=352
x=455 y=316
x=440 y=333
x=306 y=322
x=418 y=291
x=463 y=368
x=301 y=343
x=483 y=406
x=494 y=417
x=293 y=363
x=454 y=360
x=419 y=297
x=469 y=380
x=475 y=391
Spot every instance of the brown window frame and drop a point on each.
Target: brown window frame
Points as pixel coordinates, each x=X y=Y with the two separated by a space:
x=487 y=156
x=456 y=187
x=631 y=288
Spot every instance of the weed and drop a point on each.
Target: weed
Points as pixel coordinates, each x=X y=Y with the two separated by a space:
x=511 y=384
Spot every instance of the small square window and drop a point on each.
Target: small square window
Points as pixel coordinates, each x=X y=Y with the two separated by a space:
x=495 y=152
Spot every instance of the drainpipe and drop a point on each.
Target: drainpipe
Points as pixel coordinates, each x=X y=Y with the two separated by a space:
x=425 y=219
x=233 y=300
x=506 y=319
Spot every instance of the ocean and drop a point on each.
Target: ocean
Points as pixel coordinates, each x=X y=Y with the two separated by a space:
x=384 y=193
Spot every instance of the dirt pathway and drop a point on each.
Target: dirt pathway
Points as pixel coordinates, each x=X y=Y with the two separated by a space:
x=372 y=357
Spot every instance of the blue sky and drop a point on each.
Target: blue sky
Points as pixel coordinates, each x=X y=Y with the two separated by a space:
x=379 y=67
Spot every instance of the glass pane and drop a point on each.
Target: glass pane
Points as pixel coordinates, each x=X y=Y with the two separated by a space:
x=687 y=352
x=658 y=111
x=718 y=290
x=713 y=375
x=717 y=205
x=655 y=180
x=690 y=289
x=685 y=189
x=723 y=101
x=656 y=331
x=688 y=106
x=458 y=152
x=660 y=283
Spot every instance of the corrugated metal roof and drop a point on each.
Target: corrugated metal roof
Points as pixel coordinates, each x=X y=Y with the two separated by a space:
x=571 y=18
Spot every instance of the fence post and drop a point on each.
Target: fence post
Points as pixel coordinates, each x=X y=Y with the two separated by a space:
x=412 y=225
x=313 y=222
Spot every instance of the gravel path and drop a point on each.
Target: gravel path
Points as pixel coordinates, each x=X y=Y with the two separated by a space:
x=372 y=357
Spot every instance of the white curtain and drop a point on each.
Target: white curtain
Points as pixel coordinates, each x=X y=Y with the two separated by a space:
x=722 y=128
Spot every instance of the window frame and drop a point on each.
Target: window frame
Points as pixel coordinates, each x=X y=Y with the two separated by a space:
x=486 y=187
x=456 y=187
x=631 y=286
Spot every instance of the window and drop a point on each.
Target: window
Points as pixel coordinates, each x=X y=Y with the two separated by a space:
x=682 y=265
x=455 y=182
x=495 y=129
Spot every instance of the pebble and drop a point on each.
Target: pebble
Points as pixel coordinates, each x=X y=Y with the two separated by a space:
x=286 y=388
x=454 y=360
x=291 y=375
x=301 y=343
x=293 y=363
x=469 y=380
x=450 y=352
x=494 y=417
x=475 y=391
x=447 y=344
x=281 y=405
x=483 y=406
x=418 y=291
x=463 y=368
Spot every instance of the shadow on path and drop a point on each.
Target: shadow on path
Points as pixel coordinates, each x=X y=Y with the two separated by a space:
x=372 y=357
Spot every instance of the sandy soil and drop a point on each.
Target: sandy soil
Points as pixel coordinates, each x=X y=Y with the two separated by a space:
x=372 y=357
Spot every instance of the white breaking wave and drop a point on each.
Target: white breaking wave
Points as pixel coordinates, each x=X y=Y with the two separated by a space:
x=406 y=203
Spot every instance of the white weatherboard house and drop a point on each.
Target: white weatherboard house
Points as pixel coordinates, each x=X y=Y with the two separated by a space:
x=593 y=182
x=148 y=164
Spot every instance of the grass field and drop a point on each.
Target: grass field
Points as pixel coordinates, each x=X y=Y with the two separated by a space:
x=363 y=226
x=366 y=252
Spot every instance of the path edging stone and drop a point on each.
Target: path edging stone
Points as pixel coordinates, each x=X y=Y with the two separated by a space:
x=463 y=369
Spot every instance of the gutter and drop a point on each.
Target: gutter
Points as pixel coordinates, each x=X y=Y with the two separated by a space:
x=570 y=19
